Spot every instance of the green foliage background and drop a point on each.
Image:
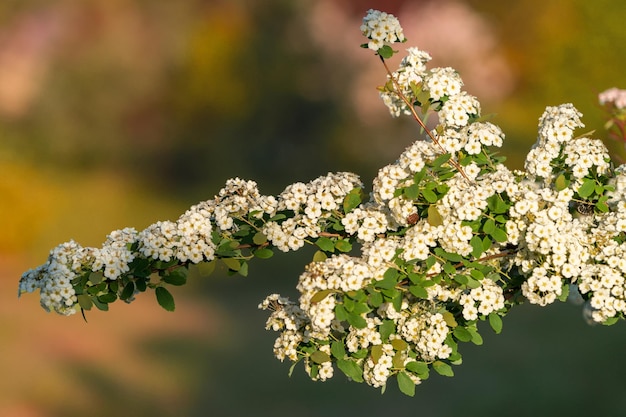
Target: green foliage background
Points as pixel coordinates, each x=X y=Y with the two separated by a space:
x=144 y=108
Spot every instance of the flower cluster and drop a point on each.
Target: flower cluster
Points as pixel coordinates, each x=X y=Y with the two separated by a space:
x=381 y=28
x=449 y=237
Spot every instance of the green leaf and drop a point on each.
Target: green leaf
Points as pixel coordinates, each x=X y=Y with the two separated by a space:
x=476 y=274
x=386 y=329
x=406 y=385
x=587 y=188
x=561 y=182
x=243 y=269
x=343 y=245
x=352 y=200
x=477 y=246
x=602 y=207
x=96 y=277
x=489 y=226
x=165 y=299
x=390 y=279
x=418 y=291
x=443 y=368
x=462 y=334
x=101 y=306
x=338 y=350
x=419 y=368
x=499 y=235
x=319 y=256
x=205 y=268
x=128 y=291
x=84 y=301
x=340 y=312
x=385 y=52
x=449 y=319
x=375 y=299
x=176 y=277
x=412 y=192
x=259 y=238
x=320 y=295
x=495 y=321
x=440 y=160
x=376 y=352
x=320 y=357
x=232 y=263
x=264 y=253
x=430 y=196
x=325 y=244
x=351 y=369
x=356 y=320
x=107 y=298
x=399 y=344
x=477 y=339
x=434 y=218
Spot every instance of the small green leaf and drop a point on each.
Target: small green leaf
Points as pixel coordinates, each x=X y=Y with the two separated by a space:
x=243 y=269
x=356 y=321
x=101 y=306
x=375 y=299
x=443 y=368
x=232 y=263
x=385 y=52
x=165 y=298
x=399 y=344
x=320 y=357
x=320 y=295
x=205 y=268
x=340 y=312
x=412 y=192
x=96 y=277
x=587 y=188
x=430 y=196
x=319 y=256
x=418 y=291
x=386 y=329
x=325 y=244
x=352 y=200
x=128 y=291
x=338 y=350
x=449 y=319
x=264 y=253
x=440 y=160
x=489 y=226
x=176 y=277
x=107 y=298
x=495 y=321
x=376 y=352
x=499 y=235
x=477 y=246
x=561 y=182
x=434 y=218
x=259 y=238
x=477 y=339
x=419 y=368
x=343 y=245
x=351 y=369
x=406 y=384
x=84 y=301
x=462 y=334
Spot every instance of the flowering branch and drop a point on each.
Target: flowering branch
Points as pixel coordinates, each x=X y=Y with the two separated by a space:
x=448 y=237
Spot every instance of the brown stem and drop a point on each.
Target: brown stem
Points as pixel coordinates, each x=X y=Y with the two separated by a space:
x=418 y=119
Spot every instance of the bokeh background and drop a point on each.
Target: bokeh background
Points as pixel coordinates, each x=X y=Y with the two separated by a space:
x=117 y=113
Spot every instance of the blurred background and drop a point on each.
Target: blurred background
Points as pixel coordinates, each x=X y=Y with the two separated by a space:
x=117 y=113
